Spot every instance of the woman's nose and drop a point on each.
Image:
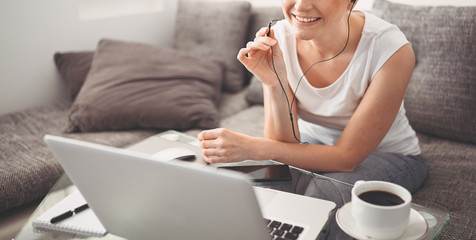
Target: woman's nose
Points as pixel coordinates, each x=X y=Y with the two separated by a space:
x=303 y=5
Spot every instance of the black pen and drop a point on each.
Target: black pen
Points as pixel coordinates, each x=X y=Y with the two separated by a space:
x=69 y=213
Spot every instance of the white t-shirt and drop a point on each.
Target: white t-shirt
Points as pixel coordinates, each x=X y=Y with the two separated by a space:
x=324 y=112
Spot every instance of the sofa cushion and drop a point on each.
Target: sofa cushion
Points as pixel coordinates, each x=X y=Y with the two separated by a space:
x=450 y=184
x=232 y=103
x=134 y=85
x=198 y=31
x=73 y=68
x=249 y=121
x=441 y=96
x=27 y=168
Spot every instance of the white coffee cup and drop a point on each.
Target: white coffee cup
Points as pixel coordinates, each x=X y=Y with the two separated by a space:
x=379 y=221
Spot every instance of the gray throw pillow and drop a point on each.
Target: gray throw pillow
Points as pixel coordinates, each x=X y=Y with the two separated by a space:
x=217 y=30
x=441 y=96
x=135 y=85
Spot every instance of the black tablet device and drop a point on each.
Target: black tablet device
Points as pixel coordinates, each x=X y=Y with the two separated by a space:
x=264 y=173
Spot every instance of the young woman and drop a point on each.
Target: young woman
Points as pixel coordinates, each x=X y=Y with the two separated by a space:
x=342 y=74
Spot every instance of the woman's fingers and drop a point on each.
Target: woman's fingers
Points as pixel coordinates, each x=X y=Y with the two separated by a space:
x=261 y=44
x=243 y=54
x=214 y=159
x=262 y=32
x=221 y=145
x=211 y=139
x=260 y=41
x=258 y=46
x=209 y=134
x=210 y=143
x=214 y=154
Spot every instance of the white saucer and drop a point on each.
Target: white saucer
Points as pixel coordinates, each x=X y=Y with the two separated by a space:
x=417 y=227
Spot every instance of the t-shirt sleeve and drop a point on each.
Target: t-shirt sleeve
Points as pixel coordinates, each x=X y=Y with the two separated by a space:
x=386 y=44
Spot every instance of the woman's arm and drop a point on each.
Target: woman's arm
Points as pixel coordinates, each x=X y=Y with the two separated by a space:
x=364 y=132
x=366 y=128
x=277 y=119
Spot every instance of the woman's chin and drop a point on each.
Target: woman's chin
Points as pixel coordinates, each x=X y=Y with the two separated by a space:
x=304 y=35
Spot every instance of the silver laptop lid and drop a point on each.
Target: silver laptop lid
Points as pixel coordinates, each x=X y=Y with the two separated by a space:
x=139 y=198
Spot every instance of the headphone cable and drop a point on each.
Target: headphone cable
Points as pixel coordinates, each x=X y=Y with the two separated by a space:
x=290 y=105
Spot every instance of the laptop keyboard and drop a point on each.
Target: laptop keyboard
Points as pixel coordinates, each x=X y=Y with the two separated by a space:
x=283 y=231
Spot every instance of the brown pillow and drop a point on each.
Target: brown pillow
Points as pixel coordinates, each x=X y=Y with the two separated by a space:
x=73 y=68
x=135 y=85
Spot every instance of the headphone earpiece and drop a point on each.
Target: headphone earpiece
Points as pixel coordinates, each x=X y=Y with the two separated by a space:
x=269 y=28
x=353 y=3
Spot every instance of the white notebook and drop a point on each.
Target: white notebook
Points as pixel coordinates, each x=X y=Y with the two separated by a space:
x=84 y=223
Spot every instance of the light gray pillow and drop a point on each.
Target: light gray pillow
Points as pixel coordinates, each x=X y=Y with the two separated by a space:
x=135 y=85
x=441 y=96
x=254 y=94
x=261 y=16
x=215 y=30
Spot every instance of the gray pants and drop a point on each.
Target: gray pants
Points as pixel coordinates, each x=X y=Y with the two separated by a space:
x=408 y=171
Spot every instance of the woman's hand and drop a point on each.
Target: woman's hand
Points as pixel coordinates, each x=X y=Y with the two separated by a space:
x=222 y=145
x=258 y=58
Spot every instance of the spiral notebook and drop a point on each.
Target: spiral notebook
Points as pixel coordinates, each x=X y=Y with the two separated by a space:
x=84 y=223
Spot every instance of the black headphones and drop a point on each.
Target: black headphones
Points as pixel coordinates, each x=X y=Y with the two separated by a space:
x=290 y=104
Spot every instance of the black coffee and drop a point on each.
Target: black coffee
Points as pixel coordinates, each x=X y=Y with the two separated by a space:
x=381 y=198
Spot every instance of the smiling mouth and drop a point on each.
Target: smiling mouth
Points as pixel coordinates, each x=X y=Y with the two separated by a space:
x=307 y=19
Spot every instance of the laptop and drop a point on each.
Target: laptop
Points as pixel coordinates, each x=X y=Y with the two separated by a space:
x=137 y=197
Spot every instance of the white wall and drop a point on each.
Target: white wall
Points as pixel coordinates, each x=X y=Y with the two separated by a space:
x=31 y=31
